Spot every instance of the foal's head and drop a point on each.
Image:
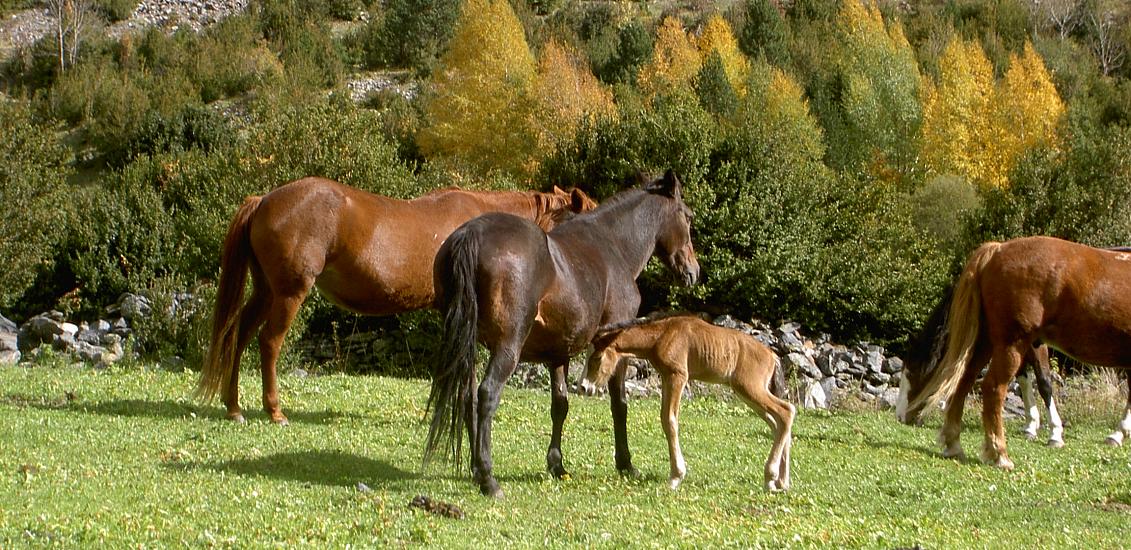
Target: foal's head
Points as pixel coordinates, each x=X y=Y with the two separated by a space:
x=673 y=243
x=558 y=206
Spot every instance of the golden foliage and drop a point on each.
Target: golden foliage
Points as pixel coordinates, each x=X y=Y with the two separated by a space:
x=717 y=36
x=675 y=60
x=565 y=95
x=978 y=129
x=478 y=107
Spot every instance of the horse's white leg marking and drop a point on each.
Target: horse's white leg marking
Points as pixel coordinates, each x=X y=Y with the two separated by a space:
x=1124 y=431
x=1032 y=414
x=1056 y=427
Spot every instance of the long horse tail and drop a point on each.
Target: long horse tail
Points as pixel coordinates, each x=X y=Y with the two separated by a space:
x=962 y=325
x=453 y=368
x=223 y=359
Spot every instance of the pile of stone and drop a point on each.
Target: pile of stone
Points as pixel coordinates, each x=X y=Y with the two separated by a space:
x=99 y=343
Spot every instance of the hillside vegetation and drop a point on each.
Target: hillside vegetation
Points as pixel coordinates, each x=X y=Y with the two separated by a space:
x=842 y=156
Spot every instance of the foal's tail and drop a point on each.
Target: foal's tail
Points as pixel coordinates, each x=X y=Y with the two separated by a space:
x=963 y=326
x=223 y=356
x=453 y=368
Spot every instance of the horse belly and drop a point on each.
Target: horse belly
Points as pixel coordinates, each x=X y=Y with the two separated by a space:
x=370 y=293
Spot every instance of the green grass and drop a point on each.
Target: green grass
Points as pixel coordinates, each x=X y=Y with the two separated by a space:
x=124 y=457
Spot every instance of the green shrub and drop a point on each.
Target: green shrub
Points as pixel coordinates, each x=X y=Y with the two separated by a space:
x=413 y=34
x=116 y=10
x=941 y=205
x=33 y=171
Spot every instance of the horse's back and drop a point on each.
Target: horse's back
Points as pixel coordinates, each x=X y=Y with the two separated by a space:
x=1072 y=296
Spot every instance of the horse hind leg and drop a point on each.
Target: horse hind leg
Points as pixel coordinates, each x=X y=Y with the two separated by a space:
x=951 y=430
x=252 y=317
x=504 y=359
x=1124 y=430
x=753 y=388
x=279 y=316
x=1004 y=365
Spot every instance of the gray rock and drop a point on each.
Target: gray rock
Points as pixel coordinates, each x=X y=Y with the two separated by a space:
x=801 y=364
x=815 y=397
x=135 y=306
x=892 y=365
x=889 y=398
x=9 y=357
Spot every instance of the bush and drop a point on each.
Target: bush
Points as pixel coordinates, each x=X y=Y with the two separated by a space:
x=413 y=34
x=33 y=171
x=116 y=10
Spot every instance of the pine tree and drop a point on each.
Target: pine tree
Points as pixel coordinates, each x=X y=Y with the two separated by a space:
x=478 y=104
x=714 y=87
x=766 y=33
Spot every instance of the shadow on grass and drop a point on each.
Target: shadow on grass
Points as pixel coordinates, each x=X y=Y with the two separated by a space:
x=332 y=468
x=168 y=409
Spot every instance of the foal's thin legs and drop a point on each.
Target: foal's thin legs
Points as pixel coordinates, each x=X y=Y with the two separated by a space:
x=619 y=403
x=559 y=408
x=672 y=390
x=778 y=414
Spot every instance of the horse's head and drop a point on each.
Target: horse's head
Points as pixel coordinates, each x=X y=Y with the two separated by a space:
x=602 y=362
x=924 y=351
x=559 y=205
x=673 y=241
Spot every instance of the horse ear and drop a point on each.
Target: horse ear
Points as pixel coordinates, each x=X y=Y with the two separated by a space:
x=580 y=202
x=669 y=185
x=557 y=190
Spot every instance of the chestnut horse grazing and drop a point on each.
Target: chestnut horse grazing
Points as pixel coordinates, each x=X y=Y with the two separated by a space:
x=535 y=296
x=683 y=348
x=366 y=253
x=1011 y=297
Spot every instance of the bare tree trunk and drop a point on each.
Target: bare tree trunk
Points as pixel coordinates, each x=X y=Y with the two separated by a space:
x=1106 y=40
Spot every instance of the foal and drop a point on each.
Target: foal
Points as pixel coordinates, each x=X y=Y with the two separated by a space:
x=685 y=347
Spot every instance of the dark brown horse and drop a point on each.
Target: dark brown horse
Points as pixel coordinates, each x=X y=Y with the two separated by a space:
x=532 y=296
x=1011 y=297
x=366 y=253
x=685 y=347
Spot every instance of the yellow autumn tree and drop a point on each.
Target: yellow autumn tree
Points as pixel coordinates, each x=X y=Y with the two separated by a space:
x=956 y=129
x=479 y=95
x=1025 y=112
x=565 y=94
x=675 y=61
x=717 y=36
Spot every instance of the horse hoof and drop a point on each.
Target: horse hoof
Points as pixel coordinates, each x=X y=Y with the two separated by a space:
x=491 y=488
x=1112 y=442
x=777 y=486
x=674 y=482
x=630 y=472
x=1055 y=443
x=237 y=418
x=1031 y=436
x=954 y=452
x=279 y=419
x=559 y=472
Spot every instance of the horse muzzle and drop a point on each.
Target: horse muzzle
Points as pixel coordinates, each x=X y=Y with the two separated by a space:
x=690 y=274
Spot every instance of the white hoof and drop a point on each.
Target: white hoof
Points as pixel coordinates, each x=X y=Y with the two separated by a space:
x=674 y=482
x=1056 y=443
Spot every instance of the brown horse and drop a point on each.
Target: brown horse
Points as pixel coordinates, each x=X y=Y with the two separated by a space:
x=683 y=348
x=1010 y=297
x=536 y=296
x=366 y=253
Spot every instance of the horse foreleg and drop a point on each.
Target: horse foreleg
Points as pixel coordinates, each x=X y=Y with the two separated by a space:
x=1032 y=414
x=279 y=318
x=951 y=430
x=1043 y=375
x=503 y=363
x=618 y=402
x=559 y=409
x=672 y=390
x=1004 y=365
x=1124 y=430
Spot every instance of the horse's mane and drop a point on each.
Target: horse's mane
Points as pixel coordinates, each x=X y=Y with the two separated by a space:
x=606 y=333
x=926 y=348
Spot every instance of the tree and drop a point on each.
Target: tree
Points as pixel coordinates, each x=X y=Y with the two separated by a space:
x=1062 y=15
x=956 y=131
x=675 y=61
x=71 y=17
x=717 y=38
x=880 y=96
x=1107 y=23
x=478 y=103
x=765 y=33
x=1025 y=110
x=414 y=32
x=565 y=95
x=714 y=88
x=33 y=171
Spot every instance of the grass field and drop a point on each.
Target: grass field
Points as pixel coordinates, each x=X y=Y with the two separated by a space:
x=125 y=458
